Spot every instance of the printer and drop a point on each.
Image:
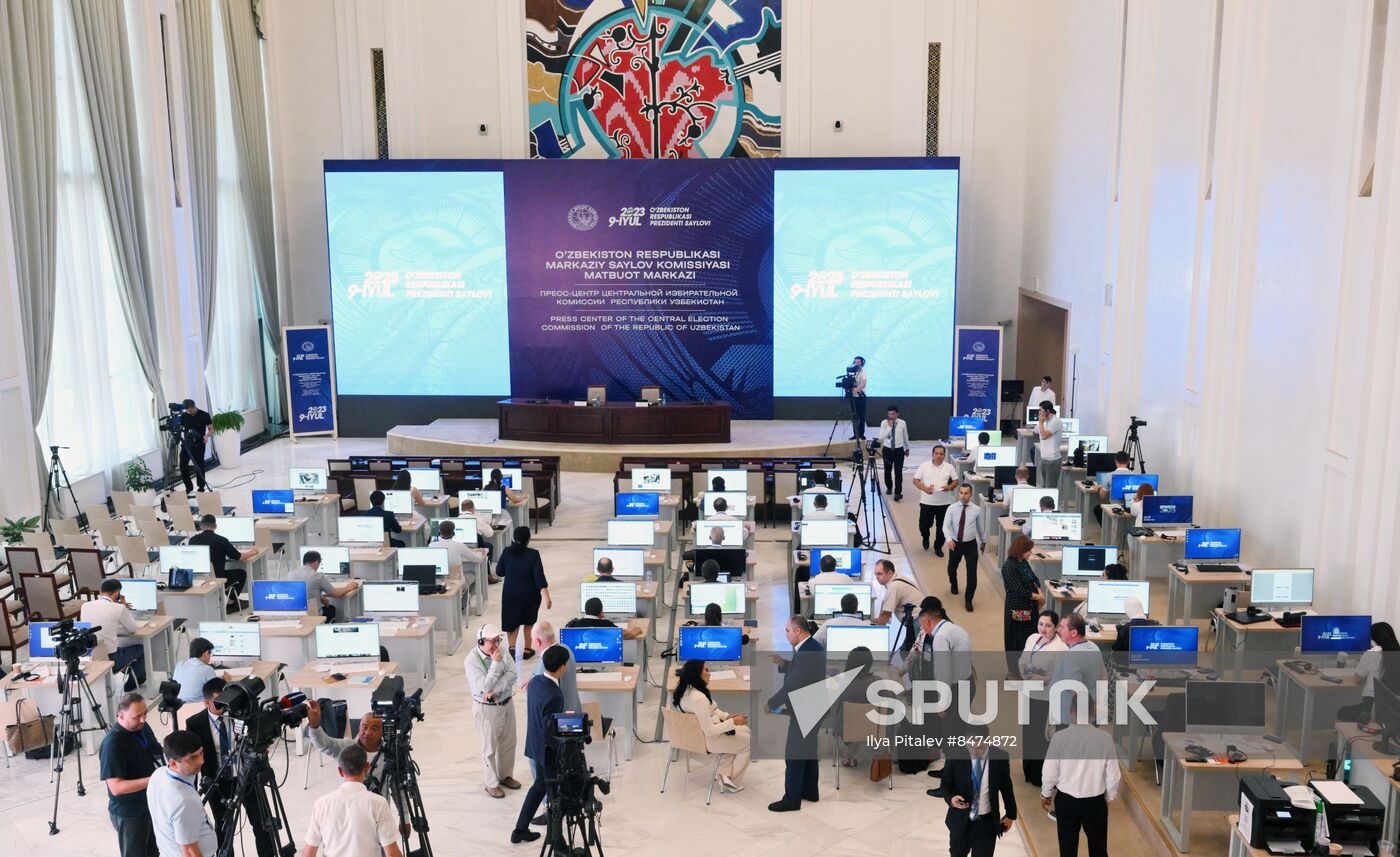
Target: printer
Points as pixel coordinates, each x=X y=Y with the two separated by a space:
x=1268 y=814
x=1354 y=815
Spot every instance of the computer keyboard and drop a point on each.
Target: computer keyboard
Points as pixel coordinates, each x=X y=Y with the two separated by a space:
x=1224 y=567
x=585 y=678
x=723 y=675
x=347 y=668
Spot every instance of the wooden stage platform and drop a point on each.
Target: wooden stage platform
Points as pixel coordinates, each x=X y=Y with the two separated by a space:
x=748 y=438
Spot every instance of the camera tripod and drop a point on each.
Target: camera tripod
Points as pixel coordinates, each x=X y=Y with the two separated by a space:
x=176 y=443
x=399 y=786
x=870 y=506
x=73 y=687
x=255 y=788
x=573 y=810
x=1132 y=445
x=53 y=492
x=845 y=412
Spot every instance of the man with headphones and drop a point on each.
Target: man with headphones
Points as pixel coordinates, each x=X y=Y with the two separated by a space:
x=491 y=675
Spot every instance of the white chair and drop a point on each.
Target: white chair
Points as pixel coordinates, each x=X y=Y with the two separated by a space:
x=594 y=710
x=64 y=527
x=96 y=512
x=685 y=735
x=210 y=503
x=181 y=518
x=110 y=530
x=858 y=727
x=153 y=532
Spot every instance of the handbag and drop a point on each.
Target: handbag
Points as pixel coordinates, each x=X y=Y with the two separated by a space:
x=880 y=768
x=29 y=729
x=1021 y=615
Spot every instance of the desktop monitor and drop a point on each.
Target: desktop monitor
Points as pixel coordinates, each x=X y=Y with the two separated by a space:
x=307 y=478
x=1108 y=597
x=194 y=557
x=992 y=457
x=736 y=503
x=140 y=595
x=236 y=530
x=233 y=639
x=729 y=597
x=1086 y=560
x=424 y=556
x=1386 y=713
x=41 y=644
x=1211 y=544
x=651 y=479
x=826 y=597
x=1069 y=425
x=732 y=561
x=974 y=438
x=281 y=502
x=358 y=529
x=1335 y=634
x=627 y=562
x=631 y=533
x=1099 y=462
x=1025 y=499
x=593 y=645
x=1163 y=645
x=425 y=478
x=1056 y=527
x=1274 y=587
x=359 y=640
x=334 y=560
x=619 y=599
x=1225 y=707
x=1007 y=475
x=841 y=639
x=1166 y=509
x=835 y=503
x=702 y=643
x=847 y=560
x=806 y=478
x=482 y=501
x=733 y=533
x=511 y=477
x=734 y=480
x=1124 y=485
x=823 y=534
x=279 y=596
x=638 y=504
x=960 y=426
x=390 y=596
x=399 y=502
x=1093 y=444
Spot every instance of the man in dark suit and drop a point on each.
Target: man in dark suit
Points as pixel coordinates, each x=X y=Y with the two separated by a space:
x=391 y=522
x=217 y=741
x=544 y=699
x=976 y=784
x=808 y=666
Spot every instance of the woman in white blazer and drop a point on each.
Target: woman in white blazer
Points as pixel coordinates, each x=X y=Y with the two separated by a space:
x=724 y=732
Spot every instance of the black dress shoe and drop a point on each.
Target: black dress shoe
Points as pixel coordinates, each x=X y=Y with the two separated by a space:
x=925 y=542
x=968 y=605
x=898 y=497
x=938 y=552
x=519 y=836
x=938 y=774
x=813 y=799
x=540 y=820
x=783 y=806
x=955 y=588
x=938 y=792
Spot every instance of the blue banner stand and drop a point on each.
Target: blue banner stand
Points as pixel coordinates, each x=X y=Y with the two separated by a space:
x=309 y=376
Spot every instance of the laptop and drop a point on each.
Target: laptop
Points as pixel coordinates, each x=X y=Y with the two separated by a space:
x=347 y=645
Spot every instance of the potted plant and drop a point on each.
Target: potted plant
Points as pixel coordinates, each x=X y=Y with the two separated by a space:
x=13 y=531
x=138 y=475
x=227 y=444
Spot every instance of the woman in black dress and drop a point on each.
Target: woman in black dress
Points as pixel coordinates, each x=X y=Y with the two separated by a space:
x=524 y=588
x=1023 y=599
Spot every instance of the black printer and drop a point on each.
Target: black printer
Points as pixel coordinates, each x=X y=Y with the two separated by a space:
x=1267 y=814
x=1352 y=823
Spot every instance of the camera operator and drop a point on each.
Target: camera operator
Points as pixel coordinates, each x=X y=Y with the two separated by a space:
x=182 y=827
x=369 y=738
x=858 y=401
x=544 y=699
x=894 y=446
x=352 y=821
x=110 y=614
x=130 y=755
x=217 y=739
x=197 y=427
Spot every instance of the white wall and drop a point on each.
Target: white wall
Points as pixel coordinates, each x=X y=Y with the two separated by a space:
x=1252 y=329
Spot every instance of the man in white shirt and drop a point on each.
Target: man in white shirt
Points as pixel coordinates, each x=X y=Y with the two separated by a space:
x=459 y=556
x=899 y=591
x=181 y=825
x=820 y=510
x=491 y=675
x=721 y=507
x=1080 y=780
x=111 y=616
x=1042 y=393
x=484 y=533
x=829 y=574
x=353 y=821
x=963 y=530
x=935 y=480
x=858 y=401
x=1047 y=432
x=849 y=615
x=894 y=445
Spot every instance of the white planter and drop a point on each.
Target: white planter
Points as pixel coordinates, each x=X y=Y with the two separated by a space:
x=228 y=446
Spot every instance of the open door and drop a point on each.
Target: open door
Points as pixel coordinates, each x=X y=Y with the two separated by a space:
x=1042 y=345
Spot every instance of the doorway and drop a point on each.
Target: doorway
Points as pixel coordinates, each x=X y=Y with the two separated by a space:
x=1042 y=337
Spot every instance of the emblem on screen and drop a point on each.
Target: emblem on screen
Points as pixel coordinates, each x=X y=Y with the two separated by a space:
x=583 y=217
x=979 y=347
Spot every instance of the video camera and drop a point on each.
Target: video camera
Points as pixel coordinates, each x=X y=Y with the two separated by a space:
x=262 y=720
x=847 y=380
x=1134 y=423
x=70 y=643
x=173 y=422
x=397 y=710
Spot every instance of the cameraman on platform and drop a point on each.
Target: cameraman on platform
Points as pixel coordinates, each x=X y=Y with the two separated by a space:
x=130 y=755
x=197 y=427
x=218 y=741
x=544 y=700
x=858 y=399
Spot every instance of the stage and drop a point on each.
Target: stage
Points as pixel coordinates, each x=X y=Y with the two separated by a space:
x=748 y=439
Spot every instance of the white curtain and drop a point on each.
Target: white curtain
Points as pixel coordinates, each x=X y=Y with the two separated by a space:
x=98 y=403
x=234 y=371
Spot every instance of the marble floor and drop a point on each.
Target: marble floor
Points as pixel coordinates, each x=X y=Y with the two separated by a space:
x=861 y=818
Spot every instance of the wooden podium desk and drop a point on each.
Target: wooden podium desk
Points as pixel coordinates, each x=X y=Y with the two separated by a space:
x=618 y=423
